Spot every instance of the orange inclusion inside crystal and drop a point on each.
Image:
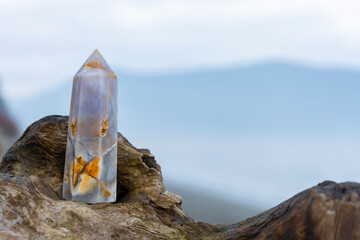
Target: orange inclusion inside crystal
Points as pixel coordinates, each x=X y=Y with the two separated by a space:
x=107 y=193
x=104 y=127
x=87 y=170
x=94 y=64
x=91 y=171
x=93 y=168
x=84 y=183
x=78 y=166
x=73 y=126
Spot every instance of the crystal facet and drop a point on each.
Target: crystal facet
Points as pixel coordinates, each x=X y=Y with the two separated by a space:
x=91 y=151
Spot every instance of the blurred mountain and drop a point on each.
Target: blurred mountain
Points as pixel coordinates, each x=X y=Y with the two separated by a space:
x=266 y=98
x=8 y=128
x=207 y=207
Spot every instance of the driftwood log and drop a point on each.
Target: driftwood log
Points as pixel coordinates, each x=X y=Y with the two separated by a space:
x=31 y=206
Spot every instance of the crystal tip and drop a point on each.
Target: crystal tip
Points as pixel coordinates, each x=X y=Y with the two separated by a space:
x=95 y=60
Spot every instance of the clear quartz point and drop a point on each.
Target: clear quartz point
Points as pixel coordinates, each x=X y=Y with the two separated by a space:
x=91 y=150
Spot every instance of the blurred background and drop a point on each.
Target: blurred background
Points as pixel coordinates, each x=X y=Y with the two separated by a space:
x=244 y=103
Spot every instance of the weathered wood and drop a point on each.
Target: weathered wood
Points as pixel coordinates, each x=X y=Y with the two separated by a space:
x=31 y=206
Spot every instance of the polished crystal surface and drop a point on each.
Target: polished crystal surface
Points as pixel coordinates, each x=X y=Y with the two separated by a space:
x=91 y=151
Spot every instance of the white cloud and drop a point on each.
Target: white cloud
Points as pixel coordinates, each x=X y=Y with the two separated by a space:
x=19 y=3
x=131 y=14
x=50 y=39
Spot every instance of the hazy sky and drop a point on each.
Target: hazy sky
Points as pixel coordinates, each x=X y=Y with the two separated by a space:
x=44 y=42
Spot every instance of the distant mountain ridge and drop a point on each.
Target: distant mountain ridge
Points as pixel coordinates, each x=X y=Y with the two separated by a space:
x=7 y=124
x=206 y=207
x=8 y=128
x=266 y=98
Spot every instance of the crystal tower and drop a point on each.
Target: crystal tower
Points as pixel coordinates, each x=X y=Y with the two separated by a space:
x=91 y=151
